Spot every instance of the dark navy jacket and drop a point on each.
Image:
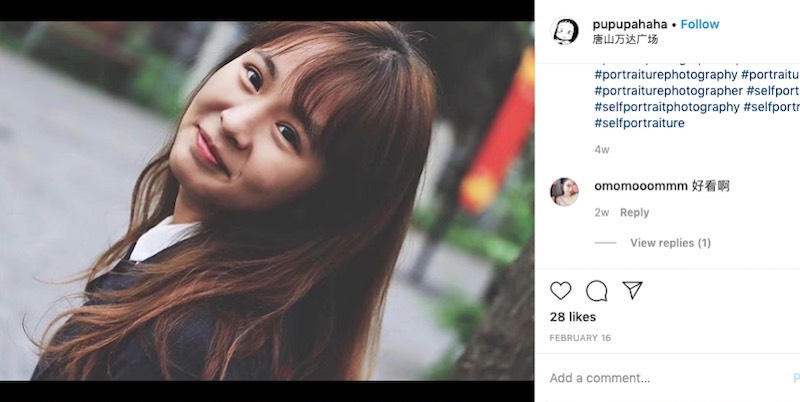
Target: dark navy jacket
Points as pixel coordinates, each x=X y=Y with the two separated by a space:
x=135 y=358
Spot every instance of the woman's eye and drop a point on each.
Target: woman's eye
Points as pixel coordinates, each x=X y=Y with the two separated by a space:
x=255 y=78
x=290 y=135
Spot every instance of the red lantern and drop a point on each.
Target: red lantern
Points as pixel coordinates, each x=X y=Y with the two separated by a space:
x=504 y=141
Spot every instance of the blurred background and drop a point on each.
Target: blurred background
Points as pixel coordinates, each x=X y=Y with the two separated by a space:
x=87 y=103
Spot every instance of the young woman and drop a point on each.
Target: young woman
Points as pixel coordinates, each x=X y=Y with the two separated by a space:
x=564 y=192
x=262 y=238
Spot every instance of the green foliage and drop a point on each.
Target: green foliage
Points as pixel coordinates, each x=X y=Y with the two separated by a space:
x=462 y=235
x=518 y=225
x=154 y=81
x=517 y=200
x=493 y=247
x=515 y=204
x=158 y=85
x=461 y=315
x=442 y=368
x=8 y=40
x=501 y=246
x=423 y=218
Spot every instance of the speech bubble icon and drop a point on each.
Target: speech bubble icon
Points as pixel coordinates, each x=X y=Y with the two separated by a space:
x=597 y=291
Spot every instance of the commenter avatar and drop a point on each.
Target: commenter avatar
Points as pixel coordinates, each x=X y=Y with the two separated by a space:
x=566 y=31
x=564 y=192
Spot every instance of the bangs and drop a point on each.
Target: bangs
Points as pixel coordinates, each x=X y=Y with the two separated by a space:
x=345 y=94
x=352 y=89
x=372 y=97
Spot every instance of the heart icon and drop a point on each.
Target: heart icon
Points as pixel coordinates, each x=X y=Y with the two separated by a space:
x=560 y=289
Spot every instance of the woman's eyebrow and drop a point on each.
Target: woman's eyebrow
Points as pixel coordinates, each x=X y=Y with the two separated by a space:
x=273 y=72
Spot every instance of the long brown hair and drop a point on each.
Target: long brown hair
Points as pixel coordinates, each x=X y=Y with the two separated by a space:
x=330 y=252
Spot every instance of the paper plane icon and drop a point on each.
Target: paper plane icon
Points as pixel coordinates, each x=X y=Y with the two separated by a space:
x=633 y=287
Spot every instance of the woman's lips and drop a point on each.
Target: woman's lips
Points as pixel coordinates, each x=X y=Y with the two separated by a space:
x=207 y=152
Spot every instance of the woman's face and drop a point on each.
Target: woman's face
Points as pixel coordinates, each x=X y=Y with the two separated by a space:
x=568 y=187
x=240 y=146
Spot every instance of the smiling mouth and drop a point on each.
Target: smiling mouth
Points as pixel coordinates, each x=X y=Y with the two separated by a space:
x=208 y=152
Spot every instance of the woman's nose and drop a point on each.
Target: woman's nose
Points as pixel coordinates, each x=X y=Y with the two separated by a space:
x=238 y=124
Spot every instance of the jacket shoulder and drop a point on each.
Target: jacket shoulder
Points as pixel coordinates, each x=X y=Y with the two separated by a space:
x=187 y=350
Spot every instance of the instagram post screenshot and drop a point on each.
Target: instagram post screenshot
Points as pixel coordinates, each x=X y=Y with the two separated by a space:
x=666 y=265
x=345 y=202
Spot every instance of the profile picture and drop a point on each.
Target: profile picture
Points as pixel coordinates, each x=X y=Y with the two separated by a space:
x=564 y=191
x=566 y=31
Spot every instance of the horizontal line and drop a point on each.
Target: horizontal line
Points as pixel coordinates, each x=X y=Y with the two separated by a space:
x=668 y=269
x=605 y=242
x=670 y=353
x=735 y=63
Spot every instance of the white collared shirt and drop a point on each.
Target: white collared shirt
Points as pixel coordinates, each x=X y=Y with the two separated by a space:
x=161 y=236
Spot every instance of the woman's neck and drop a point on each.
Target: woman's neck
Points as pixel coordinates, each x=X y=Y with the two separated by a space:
x=186 y=210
